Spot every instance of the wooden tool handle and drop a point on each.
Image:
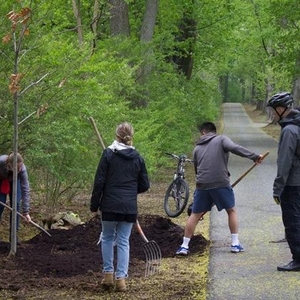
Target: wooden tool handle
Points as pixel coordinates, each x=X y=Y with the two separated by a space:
x=141 y=232
x=34 y=224
x=97 y=132
x=243 y=175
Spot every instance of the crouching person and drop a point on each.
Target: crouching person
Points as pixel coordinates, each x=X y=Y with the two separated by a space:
x=6 y=186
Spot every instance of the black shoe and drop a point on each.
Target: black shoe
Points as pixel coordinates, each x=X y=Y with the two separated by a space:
x=291 y=266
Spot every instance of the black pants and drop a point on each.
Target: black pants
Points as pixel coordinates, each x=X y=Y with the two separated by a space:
x=290 y=206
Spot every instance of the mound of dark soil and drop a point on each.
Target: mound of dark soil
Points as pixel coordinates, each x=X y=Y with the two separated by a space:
x=72 y=259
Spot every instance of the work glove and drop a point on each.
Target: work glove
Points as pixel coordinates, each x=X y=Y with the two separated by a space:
x=276 y=199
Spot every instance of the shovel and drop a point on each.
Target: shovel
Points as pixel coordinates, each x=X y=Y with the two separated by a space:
x=152 y=252
x=33 y=223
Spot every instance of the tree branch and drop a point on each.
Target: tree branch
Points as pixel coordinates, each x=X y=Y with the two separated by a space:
x=32 y=84
x=260 y=27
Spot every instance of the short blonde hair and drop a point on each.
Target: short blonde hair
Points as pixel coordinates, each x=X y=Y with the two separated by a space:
x=10 y=160
x=124 y=133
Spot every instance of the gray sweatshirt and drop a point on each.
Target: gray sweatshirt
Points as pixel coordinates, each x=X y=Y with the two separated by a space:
x=22 y=176
x=211 y=156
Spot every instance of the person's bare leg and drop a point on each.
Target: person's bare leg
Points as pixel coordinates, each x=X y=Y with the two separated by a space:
x=233 y=224
x=191 y=224
x=188 y=233
x=233 y=221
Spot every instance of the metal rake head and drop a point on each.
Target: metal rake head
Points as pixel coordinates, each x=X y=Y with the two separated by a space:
x=153 y=257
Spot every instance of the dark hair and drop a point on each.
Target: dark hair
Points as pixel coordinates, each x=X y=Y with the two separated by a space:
x=207 y=127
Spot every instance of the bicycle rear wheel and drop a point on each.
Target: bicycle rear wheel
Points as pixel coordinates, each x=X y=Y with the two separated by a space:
x=176 y=198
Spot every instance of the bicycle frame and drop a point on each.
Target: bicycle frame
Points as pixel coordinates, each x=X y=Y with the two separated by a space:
x=180 y=167
x=177 y=194
x=180 y=171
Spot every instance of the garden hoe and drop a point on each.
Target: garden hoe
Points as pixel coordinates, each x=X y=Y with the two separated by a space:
x=33 y=223
x=151 y=248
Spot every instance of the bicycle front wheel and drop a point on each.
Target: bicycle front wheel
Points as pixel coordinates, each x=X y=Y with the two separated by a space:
x=176 y=198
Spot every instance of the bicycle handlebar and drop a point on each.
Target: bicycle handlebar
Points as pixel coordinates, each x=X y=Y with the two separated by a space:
x=181 y=157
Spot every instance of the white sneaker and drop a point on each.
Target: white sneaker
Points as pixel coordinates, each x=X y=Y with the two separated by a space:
x=182 y=251
x=237 y=248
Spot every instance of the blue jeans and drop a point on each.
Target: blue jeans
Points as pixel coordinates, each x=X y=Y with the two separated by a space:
x=3 y=200
x=119 y=232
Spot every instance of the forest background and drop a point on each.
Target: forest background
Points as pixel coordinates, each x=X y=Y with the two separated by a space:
x=165 y=66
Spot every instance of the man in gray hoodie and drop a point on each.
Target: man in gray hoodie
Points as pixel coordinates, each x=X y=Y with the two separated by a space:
x=210 y=158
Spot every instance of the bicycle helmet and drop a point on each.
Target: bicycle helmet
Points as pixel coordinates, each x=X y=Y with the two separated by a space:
x=281 y=99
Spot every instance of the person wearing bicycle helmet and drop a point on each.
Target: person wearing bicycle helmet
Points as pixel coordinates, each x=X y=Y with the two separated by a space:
x=286 y=187
x=281 y=104
x=210 y=157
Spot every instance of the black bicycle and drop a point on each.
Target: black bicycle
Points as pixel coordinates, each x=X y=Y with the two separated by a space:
x=177 y=195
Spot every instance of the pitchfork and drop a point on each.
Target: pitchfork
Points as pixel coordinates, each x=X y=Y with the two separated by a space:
x=152 y=252
x=151 y=249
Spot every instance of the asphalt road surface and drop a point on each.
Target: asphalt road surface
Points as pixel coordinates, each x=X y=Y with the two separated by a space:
x=252 y=274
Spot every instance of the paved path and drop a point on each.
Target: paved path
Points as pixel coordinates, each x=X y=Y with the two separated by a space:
x=250 y=275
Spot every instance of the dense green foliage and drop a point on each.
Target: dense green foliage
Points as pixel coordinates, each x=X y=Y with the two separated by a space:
x=218 y=41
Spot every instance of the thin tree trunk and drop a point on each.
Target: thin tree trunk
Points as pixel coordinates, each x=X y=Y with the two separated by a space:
x=94 y=23
x=226 y=81
x=77 y=14
x=149 y=20
x=296 y=90
x=296 y=85
x=147 y=32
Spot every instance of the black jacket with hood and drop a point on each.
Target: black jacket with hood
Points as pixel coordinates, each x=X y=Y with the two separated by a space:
x=120 y=176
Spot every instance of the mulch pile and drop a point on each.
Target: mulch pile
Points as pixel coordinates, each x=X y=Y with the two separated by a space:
x=71 y=258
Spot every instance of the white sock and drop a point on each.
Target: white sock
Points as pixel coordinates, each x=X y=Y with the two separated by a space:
x=185 y=242
x=235 y=239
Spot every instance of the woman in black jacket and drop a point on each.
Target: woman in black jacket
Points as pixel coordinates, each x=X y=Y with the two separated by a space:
x=120 y=176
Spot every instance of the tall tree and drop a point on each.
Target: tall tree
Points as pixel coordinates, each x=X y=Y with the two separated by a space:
x=119 y=21
x=184 y=57
x=149 y=20
x=147 y=33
